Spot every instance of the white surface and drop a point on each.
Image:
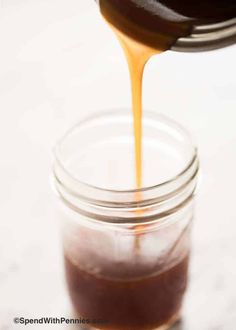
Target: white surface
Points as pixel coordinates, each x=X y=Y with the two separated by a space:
x=60 y=62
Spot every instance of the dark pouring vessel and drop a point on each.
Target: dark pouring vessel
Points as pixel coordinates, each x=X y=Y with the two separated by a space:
x=180 y=25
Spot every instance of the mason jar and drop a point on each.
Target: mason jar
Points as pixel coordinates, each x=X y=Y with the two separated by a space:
x=126 y=250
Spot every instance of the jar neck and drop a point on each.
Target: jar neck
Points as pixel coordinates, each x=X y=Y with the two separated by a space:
x=133 y=206
x=178 y=169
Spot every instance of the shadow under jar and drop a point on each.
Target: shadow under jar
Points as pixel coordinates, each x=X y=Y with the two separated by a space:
x=126 y=251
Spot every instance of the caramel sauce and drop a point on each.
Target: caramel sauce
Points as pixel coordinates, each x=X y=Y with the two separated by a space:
x=143 y=303
x=149 y=27
x=134 y=302
x=146 y=28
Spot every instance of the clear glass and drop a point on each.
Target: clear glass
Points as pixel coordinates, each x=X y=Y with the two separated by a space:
x=126 y=251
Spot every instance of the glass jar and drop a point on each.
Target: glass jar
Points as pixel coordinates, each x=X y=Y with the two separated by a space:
x=126 y=251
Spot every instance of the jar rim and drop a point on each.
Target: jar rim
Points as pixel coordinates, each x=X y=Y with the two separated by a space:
x=104 y=114
x=157 y=193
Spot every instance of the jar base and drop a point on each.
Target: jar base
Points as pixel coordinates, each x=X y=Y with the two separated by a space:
x=173 y=324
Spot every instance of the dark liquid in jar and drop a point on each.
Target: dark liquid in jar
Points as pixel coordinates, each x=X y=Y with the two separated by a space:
x=140 y=304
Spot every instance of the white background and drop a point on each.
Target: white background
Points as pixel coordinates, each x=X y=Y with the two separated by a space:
x=60 y=62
